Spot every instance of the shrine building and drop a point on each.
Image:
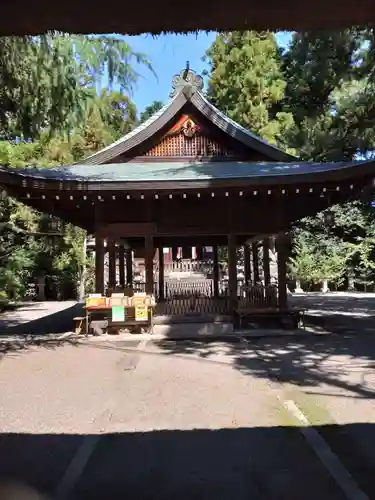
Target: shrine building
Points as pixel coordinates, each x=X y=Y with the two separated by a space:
x=184 y=183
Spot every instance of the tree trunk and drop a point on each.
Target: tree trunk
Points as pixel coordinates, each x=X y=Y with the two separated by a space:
x=325 y=288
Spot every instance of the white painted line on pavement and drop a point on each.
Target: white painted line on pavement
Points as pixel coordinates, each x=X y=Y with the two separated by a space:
x=329 y=459
x=76 y=467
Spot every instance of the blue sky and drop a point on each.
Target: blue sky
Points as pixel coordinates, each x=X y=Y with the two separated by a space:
x=168 y=55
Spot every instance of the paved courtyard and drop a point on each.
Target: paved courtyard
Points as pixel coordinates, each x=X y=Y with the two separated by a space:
x=157 y=419
x=127 y=419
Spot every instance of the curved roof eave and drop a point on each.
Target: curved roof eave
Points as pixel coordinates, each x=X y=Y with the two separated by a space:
x=155 y=123
x=304 y=173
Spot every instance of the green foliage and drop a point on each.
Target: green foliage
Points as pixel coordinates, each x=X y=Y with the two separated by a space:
x=316 y=100
x=329 y=91
x=53 y=112
x=47 y=83
x=316 y=259
x=118 y=113
x=150 y=110
x=246 y=82
x=302 y=266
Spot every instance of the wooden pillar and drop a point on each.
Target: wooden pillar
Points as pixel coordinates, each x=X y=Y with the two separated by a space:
x=149 y=264
x=129 y=267
x=254 y=247
x=247 y=267
x=266 y=262
x=121 y=263
x=281 y=270
x=99 y=265
x=215 y=271
x=174 y=253
x=232 y=271
x=161 y=273
x=111 y=264
x=199 y=252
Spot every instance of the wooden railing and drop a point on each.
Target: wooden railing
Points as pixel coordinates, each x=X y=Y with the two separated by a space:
x=189 y=288
x=193 y=305
x=187 y=266
x=258 y=296
x=186 y=297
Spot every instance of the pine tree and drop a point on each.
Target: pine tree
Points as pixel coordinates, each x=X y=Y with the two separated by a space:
x=150 y=110
x=246 y=82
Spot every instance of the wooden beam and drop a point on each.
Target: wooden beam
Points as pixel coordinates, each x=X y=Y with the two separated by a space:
x=129 y=266
x=266 y=261
x=121 y=263
x=99 y=265
x=161 y=273
x=281 y=270
x=111 y=263
x=149 y=264
x=232 y=270
x=247 y=264
x=216 y=271
x=254 y=247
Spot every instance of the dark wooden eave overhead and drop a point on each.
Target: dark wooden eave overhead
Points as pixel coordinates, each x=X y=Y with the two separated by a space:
x=21 y=17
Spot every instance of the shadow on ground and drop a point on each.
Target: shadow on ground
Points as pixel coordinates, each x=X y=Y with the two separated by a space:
x=258 y=463
x=58 y=322
x=350 y=302
x=305 y=361
x=16 y=347
x=331 y=322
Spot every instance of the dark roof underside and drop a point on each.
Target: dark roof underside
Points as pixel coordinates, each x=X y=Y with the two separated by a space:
x=117 y=16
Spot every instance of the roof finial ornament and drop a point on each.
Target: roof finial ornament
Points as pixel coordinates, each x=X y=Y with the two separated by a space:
x=186 y=71
x=187 y=79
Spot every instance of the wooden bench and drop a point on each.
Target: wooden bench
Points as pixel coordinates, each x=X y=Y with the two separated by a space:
x=104 y=313
x=131 y=323
x=288 y=319
x=79 y=324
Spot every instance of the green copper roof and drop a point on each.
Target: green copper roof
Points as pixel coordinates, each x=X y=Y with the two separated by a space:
x=177 y=171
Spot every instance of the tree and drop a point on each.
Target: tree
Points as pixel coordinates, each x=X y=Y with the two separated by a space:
x=150 y=110
x=329 y=92
x=246 y=82
x=330 y=88
x=118 y=112
x=52 y=113
x=47 y=83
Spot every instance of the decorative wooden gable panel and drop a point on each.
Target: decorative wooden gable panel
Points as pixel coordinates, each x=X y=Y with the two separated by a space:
x=189 y=139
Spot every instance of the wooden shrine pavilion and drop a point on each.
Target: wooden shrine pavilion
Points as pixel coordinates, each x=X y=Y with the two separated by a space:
x=188 y=177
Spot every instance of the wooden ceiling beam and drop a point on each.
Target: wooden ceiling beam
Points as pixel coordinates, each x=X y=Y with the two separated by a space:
x=20 y=17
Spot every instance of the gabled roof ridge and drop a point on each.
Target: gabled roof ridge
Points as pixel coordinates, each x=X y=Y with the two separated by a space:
x=253 y=138
x=151 y=126
x=130 y=134
x=238 y=125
